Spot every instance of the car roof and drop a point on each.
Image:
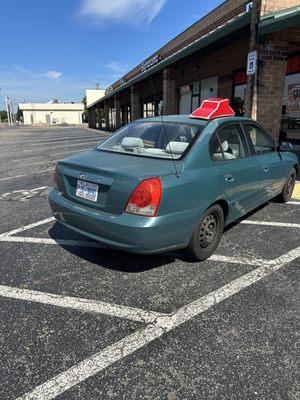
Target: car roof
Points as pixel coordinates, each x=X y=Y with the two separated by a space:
x=186 y=119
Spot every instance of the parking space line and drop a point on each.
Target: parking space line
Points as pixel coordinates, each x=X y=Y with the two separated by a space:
x=59 y=147
x=162 y=325
x=80 y=304
x=297 y=203
x=57 y=242
x=267 y=223
x=22 y=175
x=28 y=158
x=26 y=227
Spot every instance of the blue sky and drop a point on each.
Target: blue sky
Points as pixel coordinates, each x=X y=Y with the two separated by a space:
x=58 y=48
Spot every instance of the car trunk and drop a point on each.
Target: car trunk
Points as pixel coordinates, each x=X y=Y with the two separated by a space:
x=116 y=175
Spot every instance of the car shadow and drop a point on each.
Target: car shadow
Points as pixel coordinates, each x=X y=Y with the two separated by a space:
x=106 y=257
x=128 y=262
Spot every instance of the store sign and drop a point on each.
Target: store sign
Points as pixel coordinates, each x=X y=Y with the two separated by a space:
x=252 y=63
x=148 y=64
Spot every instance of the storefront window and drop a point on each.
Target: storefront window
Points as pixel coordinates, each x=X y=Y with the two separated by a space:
x=291 y=100
x=112 y=118
x=150 y=107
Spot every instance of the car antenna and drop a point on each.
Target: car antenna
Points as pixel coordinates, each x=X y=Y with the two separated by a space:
x=165 y=129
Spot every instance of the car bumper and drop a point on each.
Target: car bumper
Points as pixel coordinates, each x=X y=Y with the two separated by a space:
x=125 y=232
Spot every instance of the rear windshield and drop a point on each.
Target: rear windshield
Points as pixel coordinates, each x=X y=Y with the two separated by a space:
x=153 y=139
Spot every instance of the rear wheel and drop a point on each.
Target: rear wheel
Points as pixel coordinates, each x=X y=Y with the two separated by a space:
x=288 y=188
x=208 y=233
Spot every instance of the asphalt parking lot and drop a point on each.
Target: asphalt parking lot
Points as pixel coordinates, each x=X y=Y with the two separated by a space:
x=79 y=321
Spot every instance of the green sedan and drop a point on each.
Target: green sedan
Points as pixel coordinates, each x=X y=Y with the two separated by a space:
x=162 y=184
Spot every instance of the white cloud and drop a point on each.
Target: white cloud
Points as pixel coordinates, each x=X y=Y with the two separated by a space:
x=117 y=66
x=38 y=74
x=53 y=74
x=131 y=12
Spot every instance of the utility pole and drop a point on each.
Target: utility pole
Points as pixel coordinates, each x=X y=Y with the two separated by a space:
x=7 y=110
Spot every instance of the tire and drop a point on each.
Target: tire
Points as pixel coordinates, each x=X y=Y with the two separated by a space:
x=207 y=234
x=288 y=188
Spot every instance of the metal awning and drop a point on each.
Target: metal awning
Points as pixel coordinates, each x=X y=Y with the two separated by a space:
x=279 y=20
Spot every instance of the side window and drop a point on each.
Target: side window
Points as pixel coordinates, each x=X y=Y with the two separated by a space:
x=260 y=141
x=229 y=145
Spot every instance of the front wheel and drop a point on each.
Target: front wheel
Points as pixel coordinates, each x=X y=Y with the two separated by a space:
x=288 y=188
x=207 y=234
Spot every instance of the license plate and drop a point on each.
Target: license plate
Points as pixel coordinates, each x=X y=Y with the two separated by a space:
x=87 y=190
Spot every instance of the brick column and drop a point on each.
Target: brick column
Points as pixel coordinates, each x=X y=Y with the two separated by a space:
x=99 y=119
x=106 y=116
x=125 y=115
x=170 y=95
x=135 y=103
x=117 y=105
x=268 y=90
x=89 y=113
x=92 y=117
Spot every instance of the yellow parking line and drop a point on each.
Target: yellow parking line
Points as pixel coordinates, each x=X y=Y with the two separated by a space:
x=296 y=193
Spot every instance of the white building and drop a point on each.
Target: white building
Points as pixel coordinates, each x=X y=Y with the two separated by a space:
x=93 y=95
x=52 y=113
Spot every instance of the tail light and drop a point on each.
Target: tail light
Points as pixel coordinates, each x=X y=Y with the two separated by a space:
x=145 y=199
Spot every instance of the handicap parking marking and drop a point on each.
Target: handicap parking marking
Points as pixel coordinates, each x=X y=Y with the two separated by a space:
x=162 y=325
x=80 y=304
x=24 y=194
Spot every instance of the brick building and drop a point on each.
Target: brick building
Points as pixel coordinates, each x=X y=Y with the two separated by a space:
x=211 y=59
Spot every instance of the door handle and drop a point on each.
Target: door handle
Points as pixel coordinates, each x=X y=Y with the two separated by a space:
x=229 y=178
x=266 y=169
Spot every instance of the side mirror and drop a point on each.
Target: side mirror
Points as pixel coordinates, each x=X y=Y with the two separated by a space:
x=285 y=146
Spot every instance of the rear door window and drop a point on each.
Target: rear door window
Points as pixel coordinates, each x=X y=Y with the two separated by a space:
x=229 y=144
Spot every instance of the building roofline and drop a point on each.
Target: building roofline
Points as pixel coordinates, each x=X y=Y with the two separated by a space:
x=228 y=28
x=279 y=20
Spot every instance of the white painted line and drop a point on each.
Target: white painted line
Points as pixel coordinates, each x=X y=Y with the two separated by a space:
x=80 y=304
x=30 y=173
x=296 y=203
x=58 y=242
x=26 y=227
x=124 y=347
x=238 y=260
x=64 y=143
x=69 y=152
x=267 y=223
x=47 y=162
x=60 y=147
x=28 y=158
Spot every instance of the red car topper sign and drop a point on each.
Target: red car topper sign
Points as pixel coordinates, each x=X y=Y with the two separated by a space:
x=213 y=108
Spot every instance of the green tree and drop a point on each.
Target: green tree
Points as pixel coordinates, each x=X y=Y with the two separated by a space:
x=3 y=115
x=19 y=115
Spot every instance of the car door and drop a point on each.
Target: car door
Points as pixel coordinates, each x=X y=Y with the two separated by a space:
x=238 y=171
x=263 y=149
